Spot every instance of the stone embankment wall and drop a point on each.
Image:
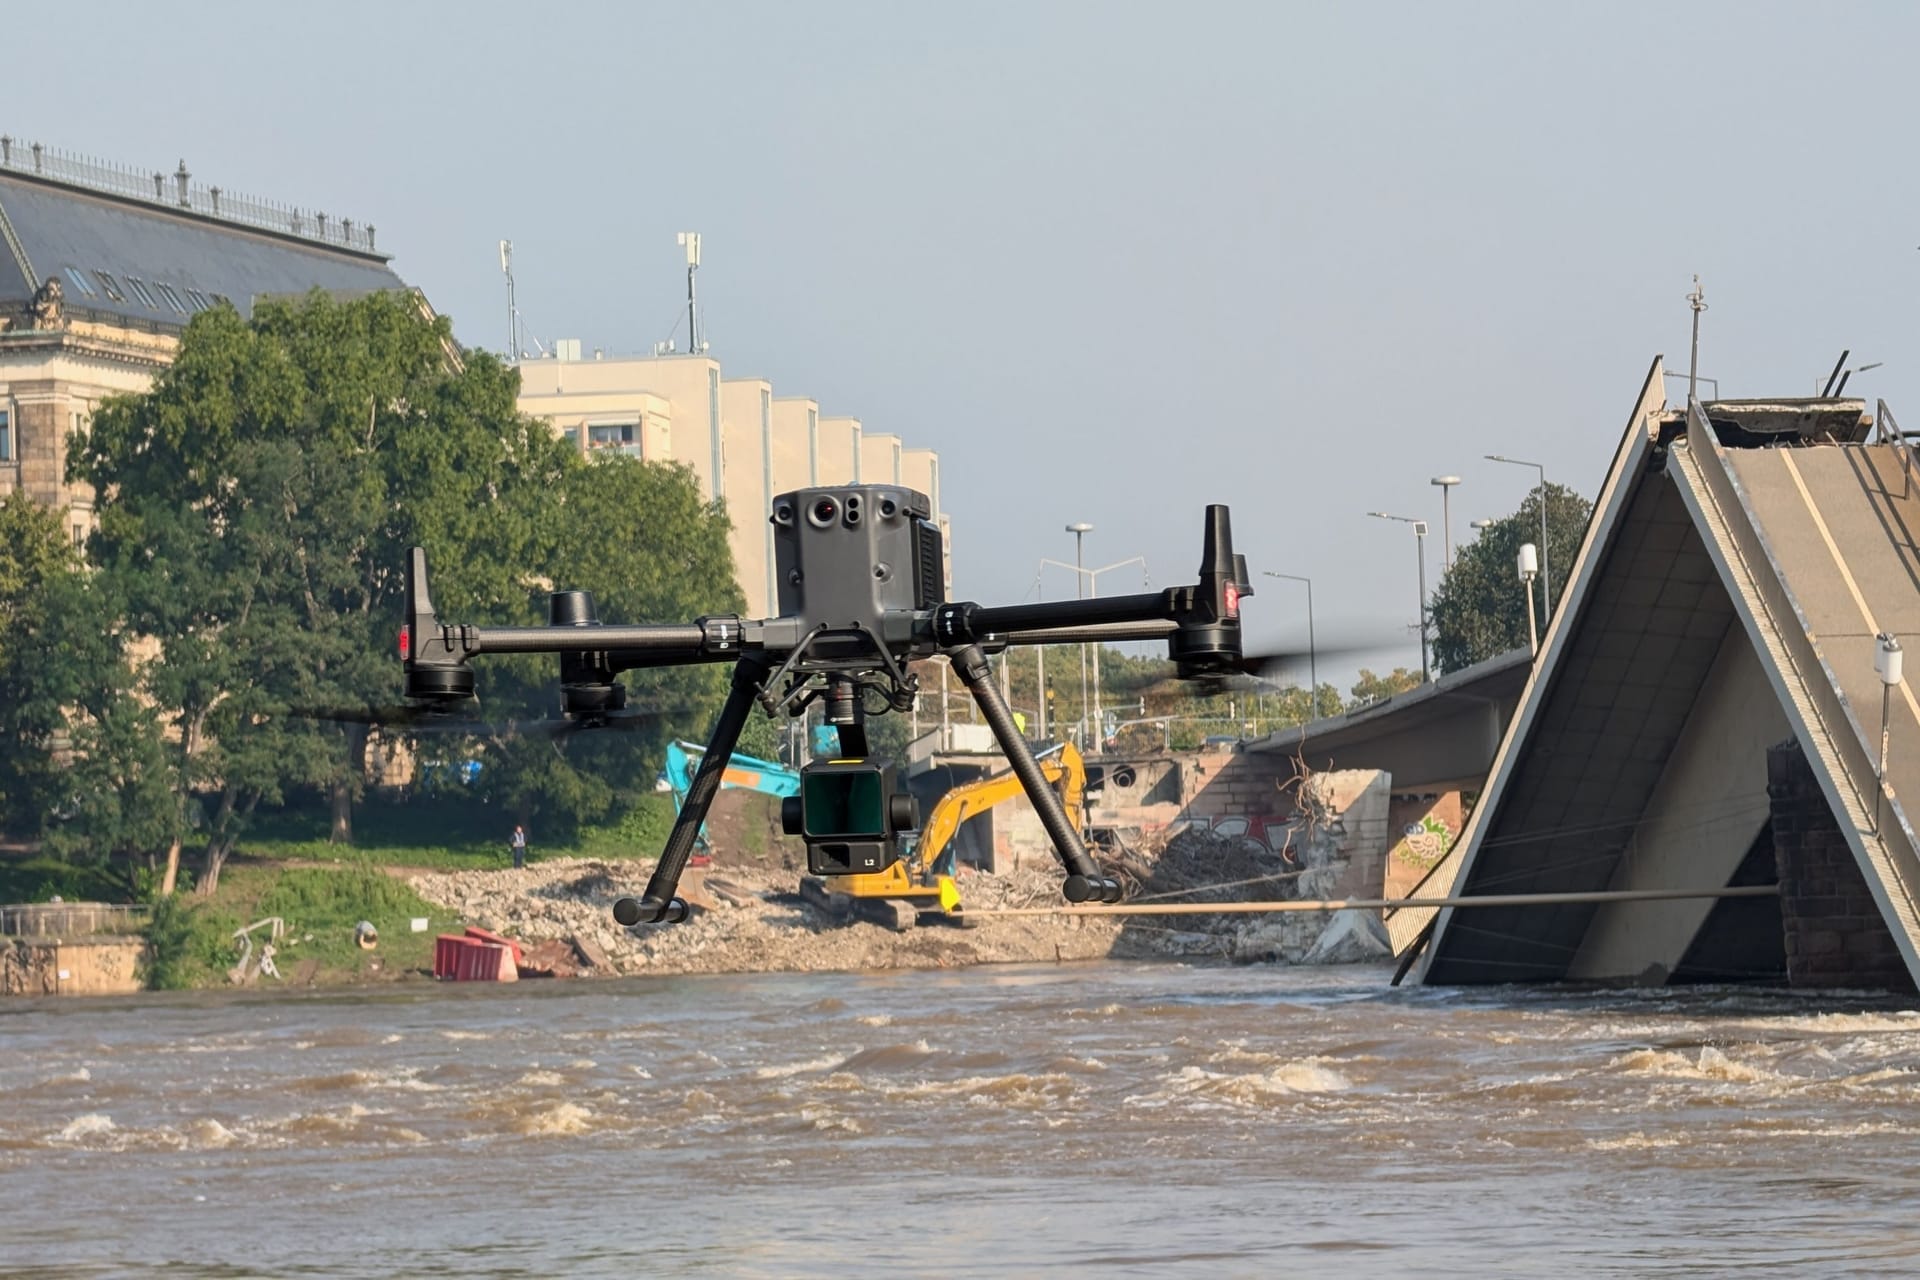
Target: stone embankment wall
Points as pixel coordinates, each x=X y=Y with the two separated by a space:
x=84 y=967
x=1835 y=934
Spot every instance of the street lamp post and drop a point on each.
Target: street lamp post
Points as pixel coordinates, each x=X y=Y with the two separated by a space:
x=1546 y=574
x=1090 y=581
x=1446 y=484
x=1420 y=544
x=1080 y=529
x=1528 y=567
x=1313 y=660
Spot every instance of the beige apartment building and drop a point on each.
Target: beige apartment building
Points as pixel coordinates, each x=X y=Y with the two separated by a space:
x=743 y=443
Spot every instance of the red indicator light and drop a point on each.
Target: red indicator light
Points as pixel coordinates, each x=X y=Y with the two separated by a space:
x=405 y=643
x=1233 y=601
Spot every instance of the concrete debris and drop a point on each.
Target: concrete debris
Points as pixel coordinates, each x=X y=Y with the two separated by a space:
x=751 y=916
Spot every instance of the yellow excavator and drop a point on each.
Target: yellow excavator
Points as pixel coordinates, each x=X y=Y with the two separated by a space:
x=923 y=879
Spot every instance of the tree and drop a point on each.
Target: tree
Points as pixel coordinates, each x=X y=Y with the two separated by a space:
x=1480 y=608
x=1372 y=688
x=255 y=506
x=81 y=760
x=640 y=538
x=35 y=558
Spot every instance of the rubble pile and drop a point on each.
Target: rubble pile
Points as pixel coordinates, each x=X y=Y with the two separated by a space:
x=750 y=917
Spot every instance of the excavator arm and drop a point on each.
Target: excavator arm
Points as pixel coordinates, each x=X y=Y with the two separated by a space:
x=919 y=875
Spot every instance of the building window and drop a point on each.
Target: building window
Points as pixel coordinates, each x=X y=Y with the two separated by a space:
x=80 y=281
x=108 y=283
x=6 y=437
x=141 y=291
x=173 y=299
x=622 y=435
x=198 y=299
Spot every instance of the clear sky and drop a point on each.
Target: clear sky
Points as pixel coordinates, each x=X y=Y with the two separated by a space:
x=1114 y=261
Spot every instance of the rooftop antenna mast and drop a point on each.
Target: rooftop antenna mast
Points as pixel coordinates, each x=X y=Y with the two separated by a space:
x=513 y=308
x=1698 y=301
x=691 y=241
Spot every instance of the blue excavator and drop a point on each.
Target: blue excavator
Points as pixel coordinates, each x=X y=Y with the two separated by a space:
x=742 y=772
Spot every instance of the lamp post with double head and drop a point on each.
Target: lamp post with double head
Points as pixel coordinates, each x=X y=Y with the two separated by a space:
x=1420 y=545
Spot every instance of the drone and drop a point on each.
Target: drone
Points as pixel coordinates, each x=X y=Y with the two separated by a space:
x=860 y=573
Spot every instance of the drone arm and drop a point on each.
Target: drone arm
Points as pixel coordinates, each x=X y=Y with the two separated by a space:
x=667 y=641
x=658 y=905
x=1084 y=881
x=1150 y=629
x=962 y=624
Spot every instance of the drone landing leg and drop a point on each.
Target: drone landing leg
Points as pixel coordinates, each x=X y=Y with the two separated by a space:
x=1084 y=881
x=658 y=905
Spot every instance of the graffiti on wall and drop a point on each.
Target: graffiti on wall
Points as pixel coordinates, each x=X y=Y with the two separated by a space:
x=1422 y=844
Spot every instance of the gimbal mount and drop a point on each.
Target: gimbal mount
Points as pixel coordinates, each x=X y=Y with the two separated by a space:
x=861 y=592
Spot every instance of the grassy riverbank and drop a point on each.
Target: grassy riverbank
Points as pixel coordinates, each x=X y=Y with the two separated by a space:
x=285 y=866
x=194 y=944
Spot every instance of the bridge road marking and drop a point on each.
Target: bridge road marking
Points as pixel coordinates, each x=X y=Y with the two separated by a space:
x=1846 y=576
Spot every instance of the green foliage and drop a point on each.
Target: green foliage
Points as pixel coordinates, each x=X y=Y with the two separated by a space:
x=1372 y=688
x=193 y=939
x=42 y=878
x=1480 y=608
x=256 y=509
x=36 y=565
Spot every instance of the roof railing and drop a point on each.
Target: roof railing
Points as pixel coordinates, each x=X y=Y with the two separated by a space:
x=177 y=190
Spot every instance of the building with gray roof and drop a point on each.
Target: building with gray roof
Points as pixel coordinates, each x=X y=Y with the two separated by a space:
x=101 y=269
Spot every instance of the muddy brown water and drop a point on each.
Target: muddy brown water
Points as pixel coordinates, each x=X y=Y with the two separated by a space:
x=1099 y=1119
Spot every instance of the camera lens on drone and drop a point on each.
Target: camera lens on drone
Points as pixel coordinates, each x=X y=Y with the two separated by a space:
x=823 y=512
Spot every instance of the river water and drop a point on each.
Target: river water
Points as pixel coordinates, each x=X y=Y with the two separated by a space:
x=1102 y=1119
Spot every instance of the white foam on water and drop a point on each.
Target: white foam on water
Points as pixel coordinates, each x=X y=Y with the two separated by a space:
x=1245 y=1089
x=466 y=1035
x=1018 y=1090
x=210 y=1134
x=583 y=1064
x=404 y=1078
x=781 y=1072
x=93 y=1124
x=1634 y=1142
x=876 y=1019
x=561 y=1120
x=827 y=1120
x=543 y=1079
x=1882 y=1076
x=1712 y=1064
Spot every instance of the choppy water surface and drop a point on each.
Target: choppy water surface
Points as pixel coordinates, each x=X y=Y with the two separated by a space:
x=1109 y=1119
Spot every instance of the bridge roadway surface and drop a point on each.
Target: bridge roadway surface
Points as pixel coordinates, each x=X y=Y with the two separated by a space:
x=1841 y=525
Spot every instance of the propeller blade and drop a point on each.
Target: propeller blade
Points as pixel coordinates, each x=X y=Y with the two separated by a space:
x=432 y=720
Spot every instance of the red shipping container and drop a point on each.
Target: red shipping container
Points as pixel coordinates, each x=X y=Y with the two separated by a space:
x=483 y=935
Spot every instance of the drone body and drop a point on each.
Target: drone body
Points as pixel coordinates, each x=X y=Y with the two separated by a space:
x=861 y=594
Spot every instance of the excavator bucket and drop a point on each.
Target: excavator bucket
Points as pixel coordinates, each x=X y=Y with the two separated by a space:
x=949 y=894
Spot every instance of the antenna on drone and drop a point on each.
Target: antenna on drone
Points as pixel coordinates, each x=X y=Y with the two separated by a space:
x=513 y=309
x=690 y=240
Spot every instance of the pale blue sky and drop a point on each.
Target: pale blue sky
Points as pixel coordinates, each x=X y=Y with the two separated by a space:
x=1113 y=261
